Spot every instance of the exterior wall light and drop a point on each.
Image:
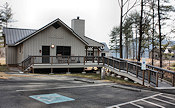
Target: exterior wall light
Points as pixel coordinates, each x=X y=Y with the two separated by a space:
x=52 y=46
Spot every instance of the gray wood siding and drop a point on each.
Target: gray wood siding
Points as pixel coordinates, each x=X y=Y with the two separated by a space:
x=11 y=55
x=58 y=37
x=20 y=52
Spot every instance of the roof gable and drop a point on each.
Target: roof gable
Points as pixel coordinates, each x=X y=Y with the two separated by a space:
x=29 y=34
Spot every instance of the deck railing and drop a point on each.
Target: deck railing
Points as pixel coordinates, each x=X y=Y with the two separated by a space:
x=67 y=60
x=152 y=73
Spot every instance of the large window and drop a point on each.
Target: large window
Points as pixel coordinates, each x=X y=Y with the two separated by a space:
x=63 y=50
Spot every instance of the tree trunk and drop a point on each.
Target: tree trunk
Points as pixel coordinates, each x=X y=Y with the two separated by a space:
x=121 y=24
x=140 y=39
x=126 y=49
x=160 y=37
x=153 y=35
x=136 y=42
x=133 y=56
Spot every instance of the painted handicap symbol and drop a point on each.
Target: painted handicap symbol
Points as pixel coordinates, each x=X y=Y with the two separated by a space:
x=51 y=98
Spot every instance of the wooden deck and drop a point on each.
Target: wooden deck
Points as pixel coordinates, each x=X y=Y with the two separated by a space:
x=65 y=65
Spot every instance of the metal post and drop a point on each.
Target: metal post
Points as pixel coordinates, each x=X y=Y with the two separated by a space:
x=143 y=77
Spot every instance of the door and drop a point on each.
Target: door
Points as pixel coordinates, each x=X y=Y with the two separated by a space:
x=45 y=52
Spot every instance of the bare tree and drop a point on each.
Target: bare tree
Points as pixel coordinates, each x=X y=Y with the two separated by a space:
x=140 y=39
x=123 y=15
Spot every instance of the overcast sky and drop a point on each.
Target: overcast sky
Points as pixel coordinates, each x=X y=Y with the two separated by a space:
x=100 y=15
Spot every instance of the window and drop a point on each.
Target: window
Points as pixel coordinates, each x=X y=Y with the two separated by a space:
x=103 y=54
x=63 y=50
x=90 y=53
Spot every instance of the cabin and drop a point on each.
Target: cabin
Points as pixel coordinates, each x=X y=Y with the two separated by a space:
x=50 y=42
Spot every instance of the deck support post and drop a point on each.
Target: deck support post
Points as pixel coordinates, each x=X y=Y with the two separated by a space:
x=51 y=60
x=68 y=60
x=119 y=66
x=98 y=51
x=127 y=66
x=86 y=52
x=32 y=70
x=103 y=61
x=157 y=78
x=149 y=76
x=136 y=71
x=173 y=80
x=143 y=77
x=84 y=60
x=113 y=63
x=93 y=54
x=51 y=71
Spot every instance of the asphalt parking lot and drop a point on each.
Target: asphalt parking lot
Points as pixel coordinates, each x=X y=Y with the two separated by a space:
x=16 y=92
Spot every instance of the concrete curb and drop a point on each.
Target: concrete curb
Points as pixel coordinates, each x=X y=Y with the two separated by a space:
x=127 y=88
x=83 y=80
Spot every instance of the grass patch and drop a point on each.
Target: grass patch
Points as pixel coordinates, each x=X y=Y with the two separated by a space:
x=4 y=68
x=87 y=75
x=172 y=68
x=173 y=64
x=98 y=77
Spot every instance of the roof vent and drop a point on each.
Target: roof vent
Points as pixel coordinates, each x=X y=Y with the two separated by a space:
x=78 y=17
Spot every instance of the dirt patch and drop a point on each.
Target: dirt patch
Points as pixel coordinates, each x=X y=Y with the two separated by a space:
x=6 y=76
x=2 y=61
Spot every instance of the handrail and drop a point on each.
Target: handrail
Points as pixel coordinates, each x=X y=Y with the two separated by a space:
x=135 y=68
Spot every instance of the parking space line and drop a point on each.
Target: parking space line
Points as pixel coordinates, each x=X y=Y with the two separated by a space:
x=164 y=101
x=92 y=85
x=153 y=103
x=136 y=105
x=135 y=101
x=167 y=97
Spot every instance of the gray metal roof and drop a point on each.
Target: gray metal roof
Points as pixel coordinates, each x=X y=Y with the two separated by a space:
x=14 y=35
x=92 y=42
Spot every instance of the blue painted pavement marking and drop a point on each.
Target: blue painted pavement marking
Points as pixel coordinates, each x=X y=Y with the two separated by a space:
x=51 y=98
